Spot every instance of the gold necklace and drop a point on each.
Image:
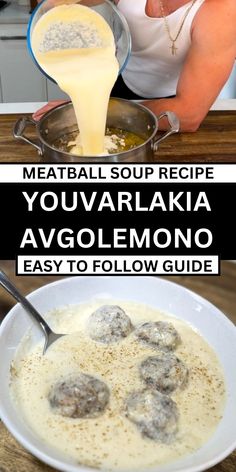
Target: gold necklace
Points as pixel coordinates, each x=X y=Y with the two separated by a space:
x=173 y=40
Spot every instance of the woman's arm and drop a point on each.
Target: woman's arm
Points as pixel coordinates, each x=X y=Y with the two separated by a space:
x=207 y=67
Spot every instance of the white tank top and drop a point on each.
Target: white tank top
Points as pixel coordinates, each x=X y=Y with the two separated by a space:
x=152 y=71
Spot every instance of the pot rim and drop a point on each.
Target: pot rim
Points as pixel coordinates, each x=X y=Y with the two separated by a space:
x=108 y=157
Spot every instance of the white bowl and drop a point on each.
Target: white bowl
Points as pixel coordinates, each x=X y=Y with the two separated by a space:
x=167 y=296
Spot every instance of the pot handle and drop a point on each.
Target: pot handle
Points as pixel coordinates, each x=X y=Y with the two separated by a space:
x=174 y=123
x=19 y=129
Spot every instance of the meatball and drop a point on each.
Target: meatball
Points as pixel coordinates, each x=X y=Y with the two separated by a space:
x=156 y=415
x=109 y=324
x=160 y=334
x=79 y=396
x=164 y=372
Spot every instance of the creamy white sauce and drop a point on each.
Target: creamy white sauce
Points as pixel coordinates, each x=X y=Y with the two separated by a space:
x=85 y=68
x=111 y=144
x=111 y=441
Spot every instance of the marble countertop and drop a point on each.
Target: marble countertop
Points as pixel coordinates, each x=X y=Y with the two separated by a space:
x=15 y=14
x=26 y=107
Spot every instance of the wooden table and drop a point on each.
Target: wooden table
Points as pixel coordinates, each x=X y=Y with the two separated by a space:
x=215 y=141
x=220 y=290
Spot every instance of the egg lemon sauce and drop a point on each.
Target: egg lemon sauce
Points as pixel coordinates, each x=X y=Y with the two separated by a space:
x=75 y=46
x=111 y=441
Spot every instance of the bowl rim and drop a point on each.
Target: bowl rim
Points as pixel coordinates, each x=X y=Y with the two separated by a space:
x=63 y=466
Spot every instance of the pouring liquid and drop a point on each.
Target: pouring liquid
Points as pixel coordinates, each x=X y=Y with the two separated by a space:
x=75 y=46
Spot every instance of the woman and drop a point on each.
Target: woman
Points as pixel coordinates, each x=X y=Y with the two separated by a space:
x=183 y=50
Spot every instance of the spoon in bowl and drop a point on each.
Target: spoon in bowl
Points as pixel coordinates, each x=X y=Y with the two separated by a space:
x=49 y=335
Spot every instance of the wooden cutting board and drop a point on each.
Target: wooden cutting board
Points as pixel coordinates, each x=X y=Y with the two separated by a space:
x=219 y=290
x=215 y=141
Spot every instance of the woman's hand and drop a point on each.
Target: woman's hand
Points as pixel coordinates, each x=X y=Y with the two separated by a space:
x=54 y=103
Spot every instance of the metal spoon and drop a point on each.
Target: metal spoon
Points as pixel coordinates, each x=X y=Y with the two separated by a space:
x=49 y=335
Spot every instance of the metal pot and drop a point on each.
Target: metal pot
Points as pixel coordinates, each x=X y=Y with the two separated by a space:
x=123 y=114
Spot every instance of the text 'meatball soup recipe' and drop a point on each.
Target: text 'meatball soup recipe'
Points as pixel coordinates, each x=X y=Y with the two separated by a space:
x=128 y=388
